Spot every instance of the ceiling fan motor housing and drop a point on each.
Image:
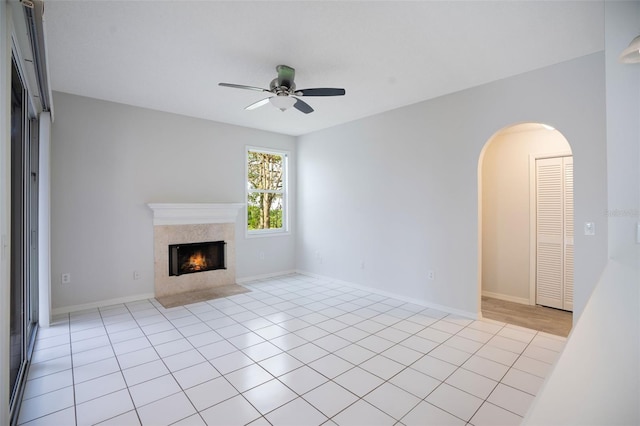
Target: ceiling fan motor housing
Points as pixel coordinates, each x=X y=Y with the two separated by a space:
x=282 y=89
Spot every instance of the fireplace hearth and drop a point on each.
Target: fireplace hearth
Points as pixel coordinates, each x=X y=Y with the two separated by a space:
x=196 y=257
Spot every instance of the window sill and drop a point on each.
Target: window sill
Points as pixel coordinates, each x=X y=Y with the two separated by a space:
x=262 y=234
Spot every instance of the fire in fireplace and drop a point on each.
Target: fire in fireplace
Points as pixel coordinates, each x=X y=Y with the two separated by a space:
x=196 y=257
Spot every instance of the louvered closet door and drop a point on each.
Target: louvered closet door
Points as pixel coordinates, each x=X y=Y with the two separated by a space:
x=567 y=303
x=554 y=245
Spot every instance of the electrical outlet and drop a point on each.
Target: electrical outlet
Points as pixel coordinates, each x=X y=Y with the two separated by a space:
x=431 y=275
x=65 y=278
x=136 y=275
x=261 y=255
x=362 y=265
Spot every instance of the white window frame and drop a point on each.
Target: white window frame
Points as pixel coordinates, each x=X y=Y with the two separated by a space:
x=253 y=233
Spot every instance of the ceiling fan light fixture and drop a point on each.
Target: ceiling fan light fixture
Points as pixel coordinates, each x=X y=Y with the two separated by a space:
x=283 y=103
x=286 y=95
x=631 y=55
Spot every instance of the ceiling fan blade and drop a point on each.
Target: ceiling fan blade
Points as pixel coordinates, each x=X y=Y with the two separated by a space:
x=258 y=104
x=302 y=106
x=321 y=91
x=242 y=86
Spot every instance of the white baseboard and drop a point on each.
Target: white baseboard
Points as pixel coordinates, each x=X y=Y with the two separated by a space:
x=116 y=301
x=506 y=297
x=101 y=304
x=264 y=276
x=447 y=309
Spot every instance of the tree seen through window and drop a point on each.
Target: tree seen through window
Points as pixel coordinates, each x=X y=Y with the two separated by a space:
x=265 y=194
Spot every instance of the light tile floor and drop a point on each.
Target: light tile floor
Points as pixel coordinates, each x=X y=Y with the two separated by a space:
x=294 y=351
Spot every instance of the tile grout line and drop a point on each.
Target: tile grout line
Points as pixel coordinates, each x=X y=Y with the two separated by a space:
x=51 y=391
x=400 y=319
x=381 y=353
x=458 y=367
x=73 y=374
x=338 y=298
x=135 y=408
x=146 y=336
x=504 y=325
x=119 y=367
x=224 y=375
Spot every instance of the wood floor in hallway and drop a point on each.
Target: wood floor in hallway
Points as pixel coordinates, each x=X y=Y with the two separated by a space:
x=549 y=320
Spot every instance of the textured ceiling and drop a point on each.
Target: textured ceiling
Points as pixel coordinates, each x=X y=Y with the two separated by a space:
x=170 y=55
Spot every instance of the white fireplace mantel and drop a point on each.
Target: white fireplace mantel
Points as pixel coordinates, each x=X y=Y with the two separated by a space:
x=194 y=213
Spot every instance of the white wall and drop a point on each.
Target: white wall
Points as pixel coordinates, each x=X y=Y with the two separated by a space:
x=505 y=207
x=623 y=128
x=597 y=379
x=109 y=160
x=399 y=190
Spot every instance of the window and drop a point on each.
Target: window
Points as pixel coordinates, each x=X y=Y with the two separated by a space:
x=266 y=191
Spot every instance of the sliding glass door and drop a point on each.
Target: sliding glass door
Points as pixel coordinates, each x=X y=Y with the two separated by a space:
x=24 y=236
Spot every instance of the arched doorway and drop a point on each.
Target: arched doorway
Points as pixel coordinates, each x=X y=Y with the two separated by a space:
x=520 y=266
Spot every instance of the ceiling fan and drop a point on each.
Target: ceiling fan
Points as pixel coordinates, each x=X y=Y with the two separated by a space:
x=284 y=89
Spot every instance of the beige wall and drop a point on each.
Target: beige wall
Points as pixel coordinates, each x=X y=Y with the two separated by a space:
x=505 y=207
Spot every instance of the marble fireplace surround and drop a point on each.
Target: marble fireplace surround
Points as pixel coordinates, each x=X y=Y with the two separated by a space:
x=180 y=223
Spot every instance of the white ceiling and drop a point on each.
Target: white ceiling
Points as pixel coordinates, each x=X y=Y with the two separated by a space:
x=170 y=55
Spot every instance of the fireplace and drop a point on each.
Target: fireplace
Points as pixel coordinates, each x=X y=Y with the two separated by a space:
x=179 y=224
x=196 y=257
